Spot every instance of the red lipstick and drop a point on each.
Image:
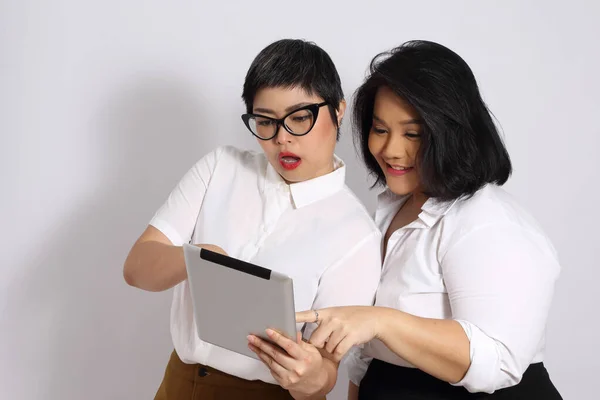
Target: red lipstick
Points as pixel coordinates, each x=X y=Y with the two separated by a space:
x=289 y=161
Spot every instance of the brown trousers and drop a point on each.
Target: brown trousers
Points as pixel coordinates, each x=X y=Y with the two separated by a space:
x=197 y=382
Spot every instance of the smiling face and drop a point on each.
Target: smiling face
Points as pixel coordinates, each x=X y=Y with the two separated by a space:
x=394 y=141
x=297 y=158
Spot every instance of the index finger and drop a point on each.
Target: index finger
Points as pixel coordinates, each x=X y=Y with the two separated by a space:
x=310 y=316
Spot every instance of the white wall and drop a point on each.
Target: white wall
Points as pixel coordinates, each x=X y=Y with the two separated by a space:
x=105 y=104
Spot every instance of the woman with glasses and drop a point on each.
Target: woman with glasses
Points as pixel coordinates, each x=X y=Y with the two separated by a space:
x=468 y=275
x=286 y=208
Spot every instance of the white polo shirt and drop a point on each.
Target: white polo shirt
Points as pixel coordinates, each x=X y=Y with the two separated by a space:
x=316 y=231
x=482 y=261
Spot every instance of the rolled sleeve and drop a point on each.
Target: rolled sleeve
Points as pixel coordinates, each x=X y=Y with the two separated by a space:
x=485 y=361
x=357 y=364
x=500 y=281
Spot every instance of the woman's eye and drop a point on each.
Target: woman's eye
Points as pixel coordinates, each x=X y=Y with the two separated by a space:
x=265 y=122
x=301 y=118
x=378 y=131
x=411 y=135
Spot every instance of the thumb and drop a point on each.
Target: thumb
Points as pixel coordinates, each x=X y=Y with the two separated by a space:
x=304 y=344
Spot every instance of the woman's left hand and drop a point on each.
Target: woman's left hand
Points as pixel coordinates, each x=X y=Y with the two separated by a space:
x=297 y=366
x=340 y=328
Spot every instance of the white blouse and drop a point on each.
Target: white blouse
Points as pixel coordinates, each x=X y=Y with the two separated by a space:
x=316 y=231
x=482 y=261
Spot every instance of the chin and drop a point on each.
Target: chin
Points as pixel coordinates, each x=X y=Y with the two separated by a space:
x=289 y=176
x=401 y=190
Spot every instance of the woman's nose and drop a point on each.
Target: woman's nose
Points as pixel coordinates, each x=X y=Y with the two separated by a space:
x=282 y=136
x=393 y=148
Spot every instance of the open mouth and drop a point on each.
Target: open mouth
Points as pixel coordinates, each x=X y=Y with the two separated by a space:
x=289 y=161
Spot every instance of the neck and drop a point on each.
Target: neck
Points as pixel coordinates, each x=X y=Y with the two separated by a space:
x=329 y=168
x=325 y=170
x=417 y=199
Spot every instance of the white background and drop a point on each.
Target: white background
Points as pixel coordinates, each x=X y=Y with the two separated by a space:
x=105 y=104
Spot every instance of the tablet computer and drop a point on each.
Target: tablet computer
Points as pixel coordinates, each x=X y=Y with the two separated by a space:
x=232 y=299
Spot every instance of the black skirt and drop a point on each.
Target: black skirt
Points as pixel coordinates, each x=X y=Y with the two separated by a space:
x=385 y=381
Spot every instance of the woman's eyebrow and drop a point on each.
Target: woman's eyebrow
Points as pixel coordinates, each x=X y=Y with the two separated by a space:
x=404 y=122
x=288 y=109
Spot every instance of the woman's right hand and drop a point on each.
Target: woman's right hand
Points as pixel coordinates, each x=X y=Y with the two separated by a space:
x=155 y=264
x=296 y=365
x=340 y=328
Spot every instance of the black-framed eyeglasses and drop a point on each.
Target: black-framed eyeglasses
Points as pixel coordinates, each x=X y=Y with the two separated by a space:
x=298 y=122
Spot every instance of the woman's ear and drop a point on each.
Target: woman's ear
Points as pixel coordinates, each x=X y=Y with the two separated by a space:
x=340 y=112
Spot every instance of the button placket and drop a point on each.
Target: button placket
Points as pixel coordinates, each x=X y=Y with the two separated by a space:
x=276 y=201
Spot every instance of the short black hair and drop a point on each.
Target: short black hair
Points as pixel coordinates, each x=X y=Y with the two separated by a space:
x=291 y=63
x=461 y=149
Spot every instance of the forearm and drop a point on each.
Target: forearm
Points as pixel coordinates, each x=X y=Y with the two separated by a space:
x=155 y=266
x=329 y=378
x=352 y=391
x=438 y=347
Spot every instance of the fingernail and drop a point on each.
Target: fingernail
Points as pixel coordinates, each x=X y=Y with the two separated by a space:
x=250 y=338
x=270 y=332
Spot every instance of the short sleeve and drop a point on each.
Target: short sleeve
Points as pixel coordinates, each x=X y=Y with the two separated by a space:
x=353 y=280
x=177 y=217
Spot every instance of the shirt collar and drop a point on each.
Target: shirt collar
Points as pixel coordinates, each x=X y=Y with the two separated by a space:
x=431 y=212
x=312 y=190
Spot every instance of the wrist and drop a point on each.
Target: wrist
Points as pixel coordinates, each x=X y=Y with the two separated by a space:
x=326 y=379
x=318 y=389
x=316 y=393
x=386 y=320
x=379 y=322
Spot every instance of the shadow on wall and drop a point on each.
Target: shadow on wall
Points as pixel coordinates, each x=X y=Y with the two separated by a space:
x=77 y=331
x=73 y=328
